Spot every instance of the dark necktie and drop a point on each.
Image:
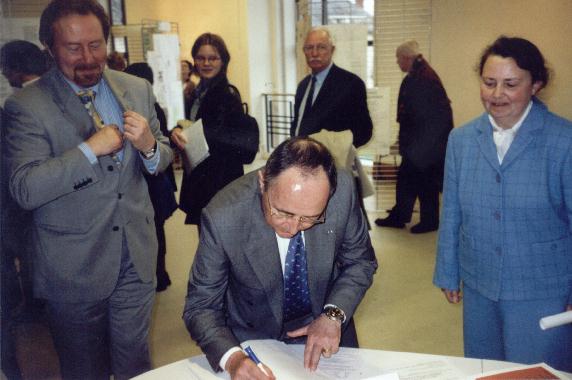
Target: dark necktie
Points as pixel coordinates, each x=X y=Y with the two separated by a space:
x=310 y=98
x=296 y=291
x=87 y=98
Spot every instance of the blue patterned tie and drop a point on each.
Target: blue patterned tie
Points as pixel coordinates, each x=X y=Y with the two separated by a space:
x=296 y=291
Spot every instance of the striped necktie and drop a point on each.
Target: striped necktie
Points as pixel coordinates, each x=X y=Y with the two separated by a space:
x=87 y=98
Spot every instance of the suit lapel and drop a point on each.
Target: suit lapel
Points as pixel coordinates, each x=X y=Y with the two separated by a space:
x=261 y=250
x=486 y=142
x=320 y=243
x=68 y=102
x=525 y=136
x=123 y=97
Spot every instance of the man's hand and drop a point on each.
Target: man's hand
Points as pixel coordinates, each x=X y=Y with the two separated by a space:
x=137 y=131
x=239 y=366
x=105 y=141
x=179 y=138
x=569 y=307
x=453 y=296
x=323 y=339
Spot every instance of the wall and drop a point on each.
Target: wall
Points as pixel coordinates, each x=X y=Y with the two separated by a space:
x=462 y=29
x=228 y=18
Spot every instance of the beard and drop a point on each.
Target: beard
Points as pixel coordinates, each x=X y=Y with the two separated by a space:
x=87 y=75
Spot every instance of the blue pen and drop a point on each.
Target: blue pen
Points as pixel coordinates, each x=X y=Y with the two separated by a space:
x=255 y=359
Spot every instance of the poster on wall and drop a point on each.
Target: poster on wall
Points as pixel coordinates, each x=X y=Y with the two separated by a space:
x=164 y=60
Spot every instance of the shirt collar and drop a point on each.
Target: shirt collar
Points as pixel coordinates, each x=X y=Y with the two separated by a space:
x=515 y=127
x=321 y=76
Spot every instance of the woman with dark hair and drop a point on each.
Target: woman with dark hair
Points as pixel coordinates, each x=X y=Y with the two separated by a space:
x=506 y=231
x=218 y=104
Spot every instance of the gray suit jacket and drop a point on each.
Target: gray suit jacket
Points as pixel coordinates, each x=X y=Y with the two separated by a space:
x=235 y=288
x=83 y=213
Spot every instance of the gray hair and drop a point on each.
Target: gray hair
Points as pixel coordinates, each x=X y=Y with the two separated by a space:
x=408 y=49
x=324 y=30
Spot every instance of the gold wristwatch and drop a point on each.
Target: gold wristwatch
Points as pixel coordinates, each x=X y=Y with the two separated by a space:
x=334 y=313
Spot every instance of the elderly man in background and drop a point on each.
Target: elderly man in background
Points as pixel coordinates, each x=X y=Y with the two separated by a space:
x=78 y=142
x=425 y=120
x=332 y=99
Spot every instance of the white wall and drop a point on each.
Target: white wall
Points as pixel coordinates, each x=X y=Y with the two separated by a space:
x=271 y=53
x=461 y=29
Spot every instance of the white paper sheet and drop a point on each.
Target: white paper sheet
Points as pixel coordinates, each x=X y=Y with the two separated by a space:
x=197 y=149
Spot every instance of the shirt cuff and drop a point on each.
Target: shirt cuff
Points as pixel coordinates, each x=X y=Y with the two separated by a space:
x=88 y=153
x=226 y=356
x=152 y=163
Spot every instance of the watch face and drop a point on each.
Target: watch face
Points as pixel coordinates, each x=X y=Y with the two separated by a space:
x=335 y=313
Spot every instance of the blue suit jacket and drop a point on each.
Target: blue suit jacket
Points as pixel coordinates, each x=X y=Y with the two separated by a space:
x=505 y=229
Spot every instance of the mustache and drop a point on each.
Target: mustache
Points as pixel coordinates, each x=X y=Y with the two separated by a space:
x=85 y=66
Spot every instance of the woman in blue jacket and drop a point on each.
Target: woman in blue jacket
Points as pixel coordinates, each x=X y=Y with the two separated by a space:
x=506 y=230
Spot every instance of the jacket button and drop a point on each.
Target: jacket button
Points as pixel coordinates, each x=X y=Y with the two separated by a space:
x=115 y=228
x=497 y=215
x=498 y=178
x=119 y=195
x=498 y=251
x=110 y=168
x=249 y=324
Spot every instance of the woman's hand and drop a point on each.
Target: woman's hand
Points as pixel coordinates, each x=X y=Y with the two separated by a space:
x=178 y=138
x=453 y=296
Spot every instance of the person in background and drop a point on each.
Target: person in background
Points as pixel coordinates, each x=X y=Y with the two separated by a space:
x=116 y=61
x=331 y=99
x=425 y=120
x=284 y=254
x=78 y=142
x=506 y=232
x=162 y=187
x=218 y=104
x=188 y=84
x=22 y=62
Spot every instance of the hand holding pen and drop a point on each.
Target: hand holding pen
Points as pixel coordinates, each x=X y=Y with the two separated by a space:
x=246 y=365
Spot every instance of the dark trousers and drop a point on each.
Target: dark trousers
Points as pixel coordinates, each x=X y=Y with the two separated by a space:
x=162 y=248
x=413 y=183
x=96 y=339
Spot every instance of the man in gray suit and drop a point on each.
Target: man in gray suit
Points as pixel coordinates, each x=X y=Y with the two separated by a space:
x=79 y=168
x=296 y=217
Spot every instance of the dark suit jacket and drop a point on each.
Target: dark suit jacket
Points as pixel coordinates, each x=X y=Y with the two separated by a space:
x=235 y=290
x=425 y=118
x=341 y=104
x=222 y=115
x=83 y=213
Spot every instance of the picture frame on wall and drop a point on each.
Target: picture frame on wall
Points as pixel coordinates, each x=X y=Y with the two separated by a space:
x=117 y=12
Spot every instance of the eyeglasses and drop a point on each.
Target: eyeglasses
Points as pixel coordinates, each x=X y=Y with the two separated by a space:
x=303 y=221
x=320 y=47
x=210 y=59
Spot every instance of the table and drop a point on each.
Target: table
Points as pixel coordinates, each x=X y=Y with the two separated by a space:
x=286 y=361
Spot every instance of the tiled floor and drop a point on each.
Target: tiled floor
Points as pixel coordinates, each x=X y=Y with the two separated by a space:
x=402 y=311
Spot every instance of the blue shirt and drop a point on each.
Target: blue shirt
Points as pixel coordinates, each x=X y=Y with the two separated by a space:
x=110 y=111
x=320 y=78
